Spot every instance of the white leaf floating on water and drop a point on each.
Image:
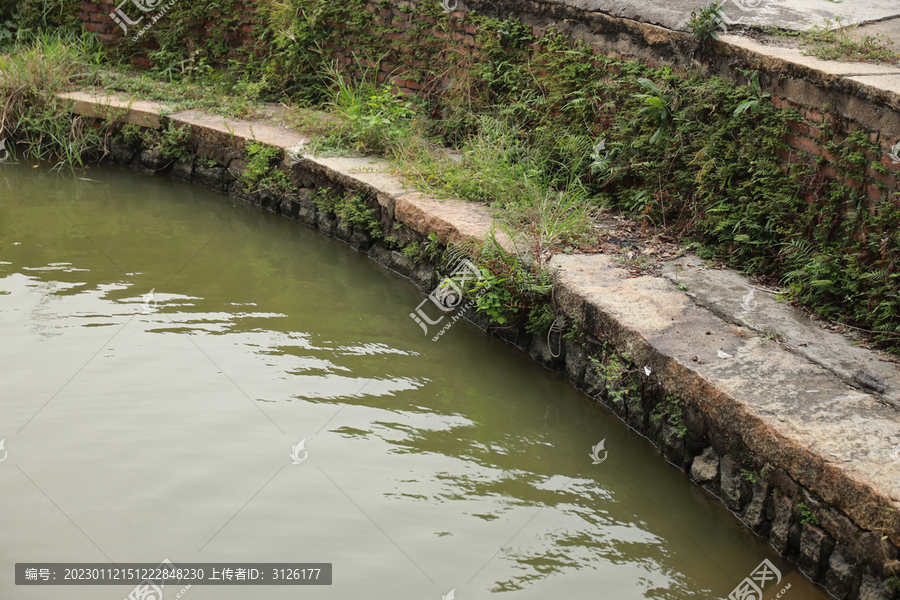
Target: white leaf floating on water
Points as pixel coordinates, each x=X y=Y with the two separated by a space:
x=647 y=371
x=723 y=354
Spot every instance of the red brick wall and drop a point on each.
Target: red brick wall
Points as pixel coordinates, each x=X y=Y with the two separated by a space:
x=95 y=17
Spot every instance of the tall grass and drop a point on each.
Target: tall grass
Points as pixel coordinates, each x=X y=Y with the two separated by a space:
x=31 y=74
x=373 y=119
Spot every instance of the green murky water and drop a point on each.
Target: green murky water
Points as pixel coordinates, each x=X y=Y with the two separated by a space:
x=144 y=427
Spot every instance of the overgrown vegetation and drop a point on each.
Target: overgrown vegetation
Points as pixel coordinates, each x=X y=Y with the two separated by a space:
x=262 y=171
x=836 y=42
x=621 y=379
x=807 y=515
x=706 y=23
x=670 y=410
x=550 y=136
x=30 y=77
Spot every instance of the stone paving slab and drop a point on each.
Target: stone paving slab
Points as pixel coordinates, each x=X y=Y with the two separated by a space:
x=451 y=219
x=787 y=14
x=830 y=437
x=136 y=112
x=729 y=295
x=222 y=131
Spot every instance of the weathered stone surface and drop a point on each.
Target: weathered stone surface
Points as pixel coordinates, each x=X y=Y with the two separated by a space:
x=735 y=489
x=815 y=549
x=221 y=154
x=452 y=221
x=575 y=363
x=637 y=412
x=705 y=468
x=594 y=384
x=380 y=255
x=673 y=445
x=838 y=575
x=306 y=212
x=226 y=133
x=723 y=291
x=326 y=221
x=402 y=264
x=786 y=410
x=343 y=231
x=780 y=480
x=872 y=589
x=425 y=277
x=512 y=335
x=136 y=112
x=872 y=550
x=269 y=199
x=122 y=154
x=754 y=515
x=154 y=161
x=183 y=169
x=367 y=175
x=551 y=357
x=360 y=240
x=793 y=545
x=782 y=521
x=211 y=177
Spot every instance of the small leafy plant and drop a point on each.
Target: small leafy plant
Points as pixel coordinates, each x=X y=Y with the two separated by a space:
x=261 y=172
x=658 y=106
x=807 y=515
x=670 y=409
x=492 y=298
x=707 y=24
x=754 y=104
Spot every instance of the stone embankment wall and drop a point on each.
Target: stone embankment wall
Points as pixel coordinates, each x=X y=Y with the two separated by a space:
x=699 y=430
